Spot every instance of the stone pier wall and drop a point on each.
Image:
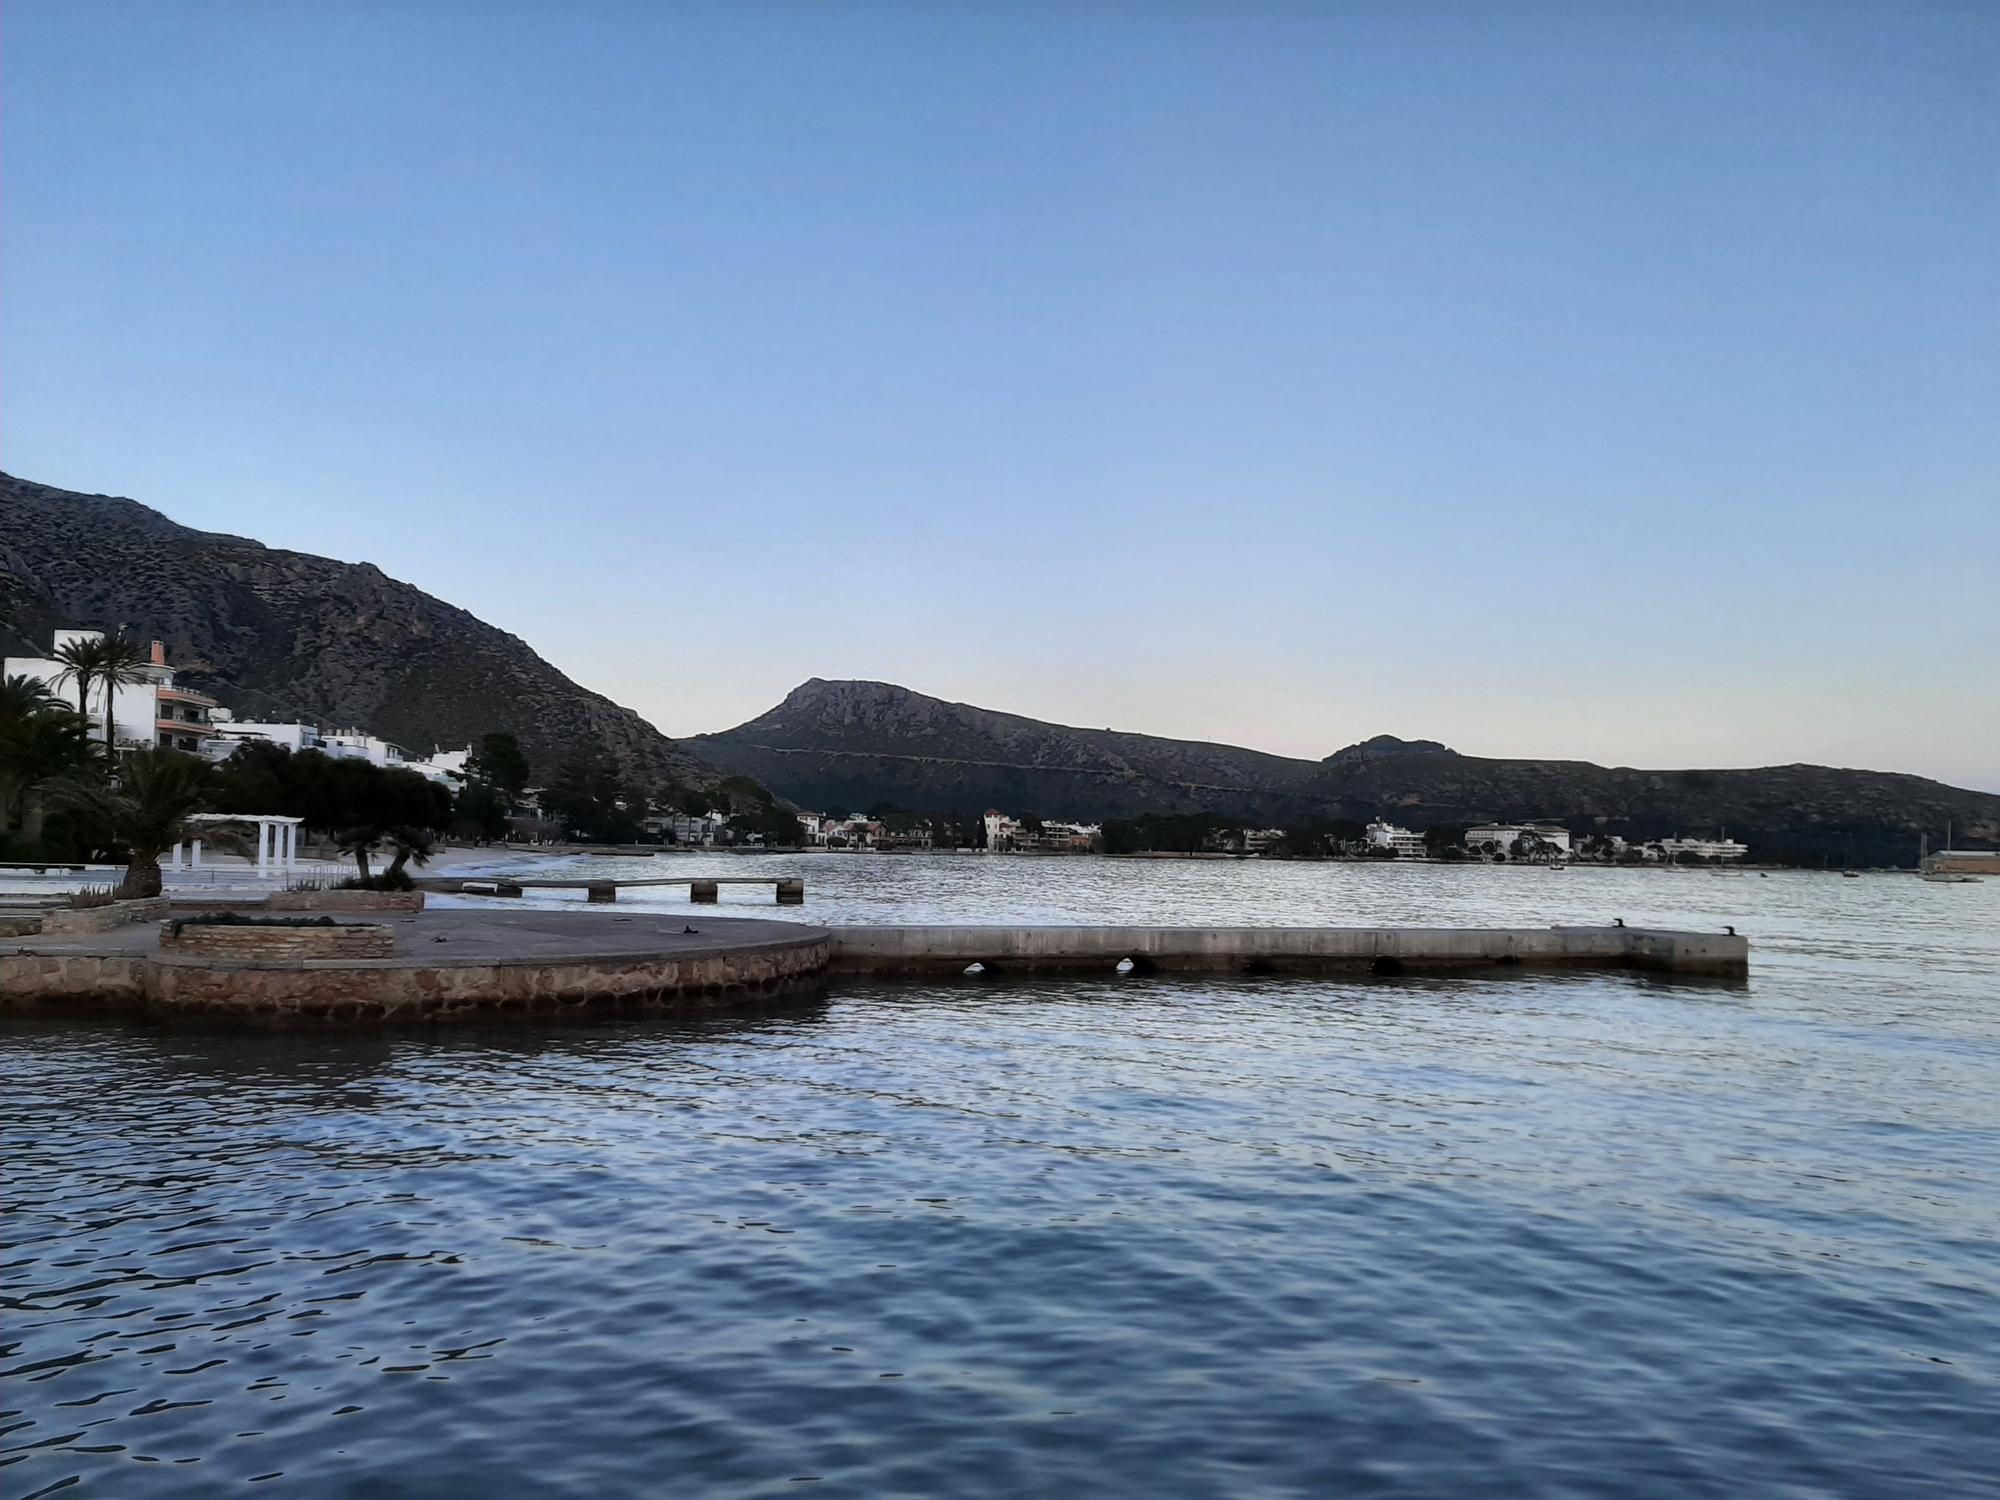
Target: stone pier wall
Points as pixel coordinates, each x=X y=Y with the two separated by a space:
x=1277 y=950
x=337 y=900
x=70 y=982
x=254 y=942
x=64 y=920
x=519 y=990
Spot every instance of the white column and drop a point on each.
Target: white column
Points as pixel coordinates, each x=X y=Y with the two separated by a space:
x=263 y=847
x=174 y=858
x=291 y=844
x=195 y=851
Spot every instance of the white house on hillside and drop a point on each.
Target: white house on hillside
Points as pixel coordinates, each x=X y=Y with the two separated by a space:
x=447 y=767
x=150 y=712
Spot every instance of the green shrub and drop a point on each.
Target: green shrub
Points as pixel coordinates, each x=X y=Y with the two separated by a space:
x=237 y=919
x=387 y=880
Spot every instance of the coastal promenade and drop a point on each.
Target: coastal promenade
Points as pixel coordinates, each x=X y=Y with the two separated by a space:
x=537 y=965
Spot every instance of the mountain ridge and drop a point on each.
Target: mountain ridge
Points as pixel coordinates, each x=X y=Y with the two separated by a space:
x=845 y=745
x=274 y=633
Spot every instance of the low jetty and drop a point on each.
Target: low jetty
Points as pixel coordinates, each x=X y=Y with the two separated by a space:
x=433 y=966
x=703 y=890
x=1279 y=950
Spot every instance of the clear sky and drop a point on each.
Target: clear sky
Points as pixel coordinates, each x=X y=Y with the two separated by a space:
x=1606 y=380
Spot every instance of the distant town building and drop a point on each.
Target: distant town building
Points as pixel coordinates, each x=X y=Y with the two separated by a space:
x=1065 y=838
x=693 y=829
x=1257 y=840
x=150 y=713
x=855 y=831
x=1706 y=849
x=1005 y=835
x=1961 y=862
x=1400 y=841
x=1505 y=835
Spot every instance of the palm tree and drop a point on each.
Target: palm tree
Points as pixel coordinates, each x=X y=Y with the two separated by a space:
x=409 y=845
x=22 y=696
x=41 y=737
x=35 y=749
x=147 y=811
x=110 y=661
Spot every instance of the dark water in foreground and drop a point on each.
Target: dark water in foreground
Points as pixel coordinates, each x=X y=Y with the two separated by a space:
x=1552 y=1235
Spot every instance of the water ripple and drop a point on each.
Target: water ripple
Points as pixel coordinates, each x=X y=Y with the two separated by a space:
x=1550 y=1235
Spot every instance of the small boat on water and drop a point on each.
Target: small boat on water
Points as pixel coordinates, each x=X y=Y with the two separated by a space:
x=1946 y=877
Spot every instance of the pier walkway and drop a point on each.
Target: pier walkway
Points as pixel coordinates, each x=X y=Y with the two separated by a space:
x=702 y=889
x=1279 y=950
x=528 y=964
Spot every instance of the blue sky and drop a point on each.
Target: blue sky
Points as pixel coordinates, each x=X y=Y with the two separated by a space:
x=1607 y=380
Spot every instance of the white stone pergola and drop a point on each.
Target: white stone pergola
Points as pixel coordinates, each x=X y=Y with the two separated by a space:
x=277 y=840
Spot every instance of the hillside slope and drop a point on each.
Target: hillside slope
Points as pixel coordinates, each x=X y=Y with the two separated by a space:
x=283 y=635
x=844 y=746
x=1798 y=811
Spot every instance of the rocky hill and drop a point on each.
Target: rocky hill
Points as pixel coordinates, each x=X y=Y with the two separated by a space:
x=1784 y=812
x=848 y=745
x=845 y=746
x=285 y=635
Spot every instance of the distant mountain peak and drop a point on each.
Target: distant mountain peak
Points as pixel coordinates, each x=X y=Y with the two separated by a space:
x=1383 y=746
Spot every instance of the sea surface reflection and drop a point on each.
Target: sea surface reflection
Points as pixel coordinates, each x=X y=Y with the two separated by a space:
x=1541 y=1234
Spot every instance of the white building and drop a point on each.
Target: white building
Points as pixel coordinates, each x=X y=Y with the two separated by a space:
x=1504 y=834
x=1067 y=838
x=147 y=713
x=231 y=734
x=446 y=767
x=1005 y=835
x=687 y=828
x=452 y=762
x=353 y=744
x=1708 y=849
x=1404 y=843
x=855 y=831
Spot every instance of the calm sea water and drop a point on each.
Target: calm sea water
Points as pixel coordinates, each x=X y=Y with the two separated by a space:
x=1529 y=1235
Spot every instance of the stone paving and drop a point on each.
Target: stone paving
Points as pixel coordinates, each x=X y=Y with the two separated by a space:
x=431 y=938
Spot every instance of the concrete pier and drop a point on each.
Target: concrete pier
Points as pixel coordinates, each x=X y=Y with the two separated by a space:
x=445 y=966
x=702 y=889
x=1278 y=950
x=533 y=965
